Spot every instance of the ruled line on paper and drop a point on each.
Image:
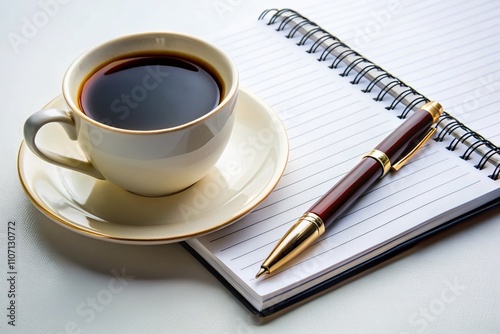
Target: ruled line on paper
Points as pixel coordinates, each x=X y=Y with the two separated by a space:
x=449 y=20
x=229 y=39
x=254 y=250
x=414 y=161
x=395 y=218
x=321 y=106
x=329 y=123
x=252 y=60
x=379 y=199
x=384 y=197
x=305 y=93
x=457 y=88
x=301 y=82
x=314 y=162
x=376 y=188
x=359 y=235
x=269 y=67
x=376 y=125
x=456 y=64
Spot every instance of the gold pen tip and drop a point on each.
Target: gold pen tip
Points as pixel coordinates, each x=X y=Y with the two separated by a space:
x=261 y=272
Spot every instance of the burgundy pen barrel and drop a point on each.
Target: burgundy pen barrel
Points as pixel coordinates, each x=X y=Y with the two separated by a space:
x=405 y=137
x=347 y=190
x=367 y=171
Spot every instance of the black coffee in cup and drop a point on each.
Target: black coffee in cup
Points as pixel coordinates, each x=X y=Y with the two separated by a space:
x=150 y=92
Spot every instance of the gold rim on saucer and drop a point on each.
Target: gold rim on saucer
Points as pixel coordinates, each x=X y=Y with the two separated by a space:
x=244 y=176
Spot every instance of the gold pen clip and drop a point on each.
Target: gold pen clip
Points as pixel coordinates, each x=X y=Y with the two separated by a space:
x=435 y=109
x=397 y=166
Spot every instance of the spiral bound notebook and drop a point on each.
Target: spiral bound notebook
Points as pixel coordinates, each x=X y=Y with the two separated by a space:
x=337 y=105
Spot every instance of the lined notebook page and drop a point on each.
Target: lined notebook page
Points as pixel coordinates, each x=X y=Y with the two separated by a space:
x=450 y=53
x=330 y=124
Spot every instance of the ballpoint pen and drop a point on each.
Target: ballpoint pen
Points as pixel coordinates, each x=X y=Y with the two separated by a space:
x=391 y=154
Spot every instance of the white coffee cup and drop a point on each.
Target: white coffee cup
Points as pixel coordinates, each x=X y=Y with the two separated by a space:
x=145 y=162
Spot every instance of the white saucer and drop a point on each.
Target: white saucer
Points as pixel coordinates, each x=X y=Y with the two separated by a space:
x=244 y=176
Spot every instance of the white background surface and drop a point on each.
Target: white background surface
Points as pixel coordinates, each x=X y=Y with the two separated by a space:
x=65 y=282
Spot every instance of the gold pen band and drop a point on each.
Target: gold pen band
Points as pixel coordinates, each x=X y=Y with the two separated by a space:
x=382 y=159
x=434 y=108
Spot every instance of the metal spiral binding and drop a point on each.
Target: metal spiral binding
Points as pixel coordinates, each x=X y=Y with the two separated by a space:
x=388 y=84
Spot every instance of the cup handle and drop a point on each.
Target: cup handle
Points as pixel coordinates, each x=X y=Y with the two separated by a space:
x=36 y=121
